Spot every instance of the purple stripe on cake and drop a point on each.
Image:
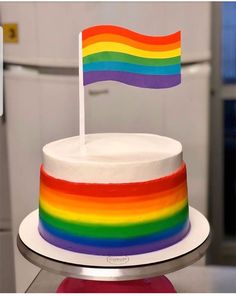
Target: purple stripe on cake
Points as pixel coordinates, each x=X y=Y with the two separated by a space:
x=139 y=80
x=134 y=250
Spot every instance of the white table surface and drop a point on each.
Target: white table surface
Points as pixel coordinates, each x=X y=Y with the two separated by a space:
x=192 y=279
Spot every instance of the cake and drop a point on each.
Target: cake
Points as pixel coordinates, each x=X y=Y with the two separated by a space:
x=126 y=194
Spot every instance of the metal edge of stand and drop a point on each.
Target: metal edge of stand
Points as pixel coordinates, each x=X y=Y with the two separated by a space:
x=116 y=273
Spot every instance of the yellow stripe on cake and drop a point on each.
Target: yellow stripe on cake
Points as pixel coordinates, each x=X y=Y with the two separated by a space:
x=107 y=219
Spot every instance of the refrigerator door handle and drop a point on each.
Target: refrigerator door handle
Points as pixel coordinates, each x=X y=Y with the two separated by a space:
x=97 y=92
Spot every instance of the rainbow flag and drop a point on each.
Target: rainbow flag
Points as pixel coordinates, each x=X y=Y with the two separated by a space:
x=118 y=54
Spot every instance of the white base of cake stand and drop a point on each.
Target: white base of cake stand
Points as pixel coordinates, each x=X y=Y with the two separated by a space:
x=118 y=268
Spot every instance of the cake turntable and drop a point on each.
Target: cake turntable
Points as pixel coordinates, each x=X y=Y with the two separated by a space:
x=136 y=273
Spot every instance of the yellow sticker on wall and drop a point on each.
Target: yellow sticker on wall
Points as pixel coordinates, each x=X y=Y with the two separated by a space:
x=10 y=33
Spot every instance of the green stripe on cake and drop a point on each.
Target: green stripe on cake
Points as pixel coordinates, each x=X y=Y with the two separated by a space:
x=115 y=231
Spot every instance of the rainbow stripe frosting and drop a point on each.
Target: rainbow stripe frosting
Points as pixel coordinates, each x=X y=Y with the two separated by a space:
x=114 y=219
x=118 y=54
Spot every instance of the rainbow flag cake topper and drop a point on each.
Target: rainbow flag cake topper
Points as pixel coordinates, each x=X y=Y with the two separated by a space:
x=109 y=52
x=118 y=54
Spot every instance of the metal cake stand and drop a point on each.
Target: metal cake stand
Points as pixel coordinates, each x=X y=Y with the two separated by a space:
x=107 y=269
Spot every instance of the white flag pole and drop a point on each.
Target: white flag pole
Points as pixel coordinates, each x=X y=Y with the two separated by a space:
x=81 y=97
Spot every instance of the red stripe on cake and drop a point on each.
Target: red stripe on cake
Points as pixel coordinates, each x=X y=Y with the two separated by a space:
x=115 y=189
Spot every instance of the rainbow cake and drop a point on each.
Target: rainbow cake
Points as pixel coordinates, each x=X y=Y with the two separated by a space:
x=125 y=195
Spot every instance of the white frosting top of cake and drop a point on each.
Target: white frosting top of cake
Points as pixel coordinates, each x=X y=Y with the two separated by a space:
x=112 y=158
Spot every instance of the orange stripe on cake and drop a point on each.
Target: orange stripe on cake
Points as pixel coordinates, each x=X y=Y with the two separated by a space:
x=113 y=200
x=121 y=208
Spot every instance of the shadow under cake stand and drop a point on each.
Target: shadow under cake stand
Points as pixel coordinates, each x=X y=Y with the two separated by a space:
x=99 y=274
